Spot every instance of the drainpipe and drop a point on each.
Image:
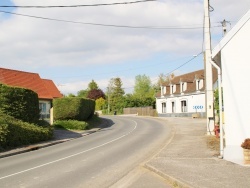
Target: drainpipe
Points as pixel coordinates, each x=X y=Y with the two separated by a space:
x=220 y=107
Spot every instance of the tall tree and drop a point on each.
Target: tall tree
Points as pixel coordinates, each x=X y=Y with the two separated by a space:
x=92 y=85
x=143 y=87
x=115 y=94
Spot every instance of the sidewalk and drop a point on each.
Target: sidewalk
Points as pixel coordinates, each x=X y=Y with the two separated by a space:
x=188 y=162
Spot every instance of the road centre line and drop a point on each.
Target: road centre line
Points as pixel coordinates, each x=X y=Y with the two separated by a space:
x=70 y=155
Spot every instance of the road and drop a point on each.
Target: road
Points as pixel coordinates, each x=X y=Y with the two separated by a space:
x=101 y=159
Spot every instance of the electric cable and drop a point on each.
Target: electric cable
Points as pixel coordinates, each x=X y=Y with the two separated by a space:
x=74 y=6
x=104 y=25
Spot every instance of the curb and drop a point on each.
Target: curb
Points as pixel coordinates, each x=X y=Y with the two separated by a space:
x=173 y=181
x=43 y=145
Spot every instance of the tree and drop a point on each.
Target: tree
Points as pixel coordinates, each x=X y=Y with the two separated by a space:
x=143 y=87
x=82 y=93
x=115 y=94
x=162 y=78
x=96 y=94
x=100 y=103
x=92 y=85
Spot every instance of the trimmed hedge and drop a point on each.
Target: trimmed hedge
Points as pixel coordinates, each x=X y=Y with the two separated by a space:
x=19 y=103
x=15 y=133
x=73 y=108
x=71 y=124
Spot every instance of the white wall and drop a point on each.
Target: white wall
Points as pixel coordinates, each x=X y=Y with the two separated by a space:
x=235 y=58
x=195 y=103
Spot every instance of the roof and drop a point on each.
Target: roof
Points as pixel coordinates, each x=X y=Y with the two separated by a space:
x=188 y=78
x=230 y=34
x=45 y=89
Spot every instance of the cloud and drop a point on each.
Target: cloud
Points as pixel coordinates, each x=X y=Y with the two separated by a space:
x=63 y=49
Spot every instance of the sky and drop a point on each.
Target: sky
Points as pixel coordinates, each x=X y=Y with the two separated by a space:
x=103 y=42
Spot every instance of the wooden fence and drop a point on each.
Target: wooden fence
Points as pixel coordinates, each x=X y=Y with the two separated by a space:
x=140 y=111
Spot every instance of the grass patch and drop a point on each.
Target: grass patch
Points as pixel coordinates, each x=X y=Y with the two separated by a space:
x=78 y=125
x=71 y=124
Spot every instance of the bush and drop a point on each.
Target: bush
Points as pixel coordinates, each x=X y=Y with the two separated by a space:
x=19 y=103
x=73 y=108
x=71 y=124
x=15 y=132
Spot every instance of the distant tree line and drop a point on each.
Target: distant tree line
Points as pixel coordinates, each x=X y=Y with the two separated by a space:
x=115 y=98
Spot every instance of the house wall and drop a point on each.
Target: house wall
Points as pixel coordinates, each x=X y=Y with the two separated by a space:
x=235 y=75
x=195 y=104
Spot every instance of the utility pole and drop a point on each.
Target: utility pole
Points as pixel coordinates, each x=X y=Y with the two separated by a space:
x=208 y=71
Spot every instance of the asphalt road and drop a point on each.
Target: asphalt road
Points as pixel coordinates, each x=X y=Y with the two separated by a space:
x=101 y=159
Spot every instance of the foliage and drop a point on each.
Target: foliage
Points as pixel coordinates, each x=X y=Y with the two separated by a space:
x=71 y=124
x=216 y=101
x=14 y=132
x=115 y=94
x=143 y=87
x=71 y=95
x=99 y=104
x=162 y=78
x=96 y=94
x=82 y=93
x=132 y=101
x=92 y=85
x=74 y=108
x=246 y=143
x=20 y=103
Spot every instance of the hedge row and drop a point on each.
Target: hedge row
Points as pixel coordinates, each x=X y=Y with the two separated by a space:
x=20 y=103
x=15 y=133
x=73 y=108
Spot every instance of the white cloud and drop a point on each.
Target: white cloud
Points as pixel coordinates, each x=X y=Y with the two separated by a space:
x=37 y=45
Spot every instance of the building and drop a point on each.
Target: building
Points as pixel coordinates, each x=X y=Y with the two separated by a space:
x=184 y=95
x=45 y=89
x=232 y=55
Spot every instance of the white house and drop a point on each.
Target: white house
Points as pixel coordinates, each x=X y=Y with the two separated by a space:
x=232 y=54
x=183 y=95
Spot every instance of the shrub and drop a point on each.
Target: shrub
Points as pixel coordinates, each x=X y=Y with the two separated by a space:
x=246 y=144
x=73 y=108
x=19 y=103
x=16 y=132
x=71 y=124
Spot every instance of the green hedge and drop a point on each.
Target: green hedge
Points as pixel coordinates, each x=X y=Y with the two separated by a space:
x=15 y=133
x=73 y=108
x=19 y=103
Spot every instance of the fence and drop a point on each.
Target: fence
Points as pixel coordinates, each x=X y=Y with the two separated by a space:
x=141 y=111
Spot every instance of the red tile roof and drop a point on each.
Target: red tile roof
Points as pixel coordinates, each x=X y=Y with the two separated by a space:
x=45 y=89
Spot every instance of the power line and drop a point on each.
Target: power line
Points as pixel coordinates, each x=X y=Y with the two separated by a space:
x=104 y=25
x=74 y=6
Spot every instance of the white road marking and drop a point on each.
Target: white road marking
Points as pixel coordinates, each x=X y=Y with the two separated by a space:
x=70 y=155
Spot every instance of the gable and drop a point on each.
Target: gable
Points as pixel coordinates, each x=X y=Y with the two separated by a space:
x=30 y=81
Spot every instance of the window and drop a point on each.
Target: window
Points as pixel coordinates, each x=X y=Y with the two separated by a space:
x=164 y=107
x=198 y=84
x=173 y=107
x=42 y=107
x=183 y=106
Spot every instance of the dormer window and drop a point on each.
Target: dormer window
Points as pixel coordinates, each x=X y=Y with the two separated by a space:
x=163 y=90
x=183 y=86
x=172 y=89
x=199 y=84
